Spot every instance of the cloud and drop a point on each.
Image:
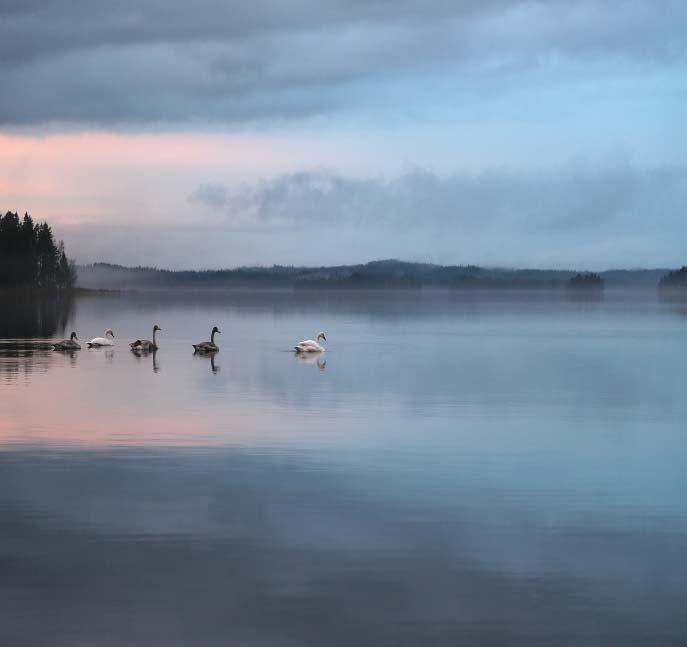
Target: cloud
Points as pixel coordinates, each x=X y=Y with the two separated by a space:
x=210 y=195
x=96 y=62
x=570 y=216
x=564 y=199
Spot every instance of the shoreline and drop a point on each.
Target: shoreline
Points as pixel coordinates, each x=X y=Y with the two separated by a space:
x=55 y=292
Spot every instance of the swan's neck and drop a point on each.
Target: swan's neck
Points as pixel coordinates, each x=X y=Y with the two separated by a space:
x=212 y=337
x=154 y=333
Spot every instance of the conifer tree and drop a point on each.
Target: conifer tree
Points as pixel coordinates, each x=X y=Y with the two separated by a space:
x=29 y=256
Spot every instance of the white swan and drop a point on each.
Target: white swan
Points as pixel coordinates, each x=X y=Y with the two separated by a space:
x=310 y=346
x=107 y=340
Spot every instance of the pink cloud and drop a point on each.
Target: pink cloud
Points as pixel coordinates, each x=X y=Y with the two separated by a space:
x=75 y=179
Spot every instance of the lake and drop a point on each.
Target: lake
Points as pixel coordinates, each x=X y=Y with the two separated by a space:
x=457 y=469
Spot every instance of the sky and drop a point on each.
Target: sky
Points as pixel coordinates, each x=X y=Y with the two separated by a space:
x=221 y=133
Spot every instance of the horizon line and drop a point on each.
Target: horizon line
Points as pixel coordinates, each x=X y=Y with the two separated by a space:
x=384 y=260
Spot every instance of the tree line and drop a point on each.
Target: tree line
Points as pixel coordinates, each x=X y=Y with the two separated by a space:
x=29 y=256
x=586 y=281
x=675 y=279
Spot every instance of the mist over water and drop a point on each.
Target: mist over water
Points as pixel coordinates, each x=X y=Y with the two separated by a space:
x=456 y=469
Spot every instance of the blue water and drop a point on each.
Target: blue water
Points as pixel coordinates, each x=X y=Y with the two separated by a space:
x=456 y=469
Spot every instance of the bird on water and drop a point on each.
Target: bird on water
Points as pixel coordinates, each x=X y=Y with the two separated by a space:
x=310 y=346
x=107 y=340
x=145 y=345
x=68 y=344
x=208 y=346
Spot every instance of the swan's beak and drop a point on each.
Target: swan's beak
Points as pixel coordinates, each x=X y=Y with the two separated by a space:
x=219 y=331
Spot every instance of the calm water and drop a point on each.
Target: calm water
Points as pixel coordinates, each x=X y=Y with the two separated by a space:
x=455 y=470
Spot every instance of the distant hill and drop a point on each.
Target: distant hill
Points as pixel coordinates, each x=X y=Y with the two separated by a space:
x=385 y=274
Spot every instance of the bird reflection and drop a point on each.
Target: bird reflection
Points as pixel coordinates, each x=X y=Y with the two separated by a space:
x=140 y=354
x=208 y=355
x=316 y=359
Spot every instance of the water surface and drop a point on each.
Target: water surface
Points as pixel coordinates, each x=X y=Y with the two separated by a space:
x=456 y=469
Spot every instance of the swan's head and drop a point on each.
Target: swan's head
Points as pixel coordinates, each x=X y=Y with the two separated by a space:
x=321 y=336
x=216 y=329
x=156 y=327
x=73 y=337
x=109 y=333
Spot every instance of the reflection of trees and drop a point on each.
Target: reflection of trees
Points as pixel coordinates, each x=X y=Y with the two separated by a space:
x=23 y=359
x=583 y=296
x=28 y=315
x=12 y=360
x=675 y=299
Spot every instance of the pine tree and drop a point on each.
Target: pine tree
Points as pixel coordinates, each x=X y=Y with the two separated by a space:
x=47 y=257
x=28 y=251
x=66 y=272
x=29 y=256
x=10 y=255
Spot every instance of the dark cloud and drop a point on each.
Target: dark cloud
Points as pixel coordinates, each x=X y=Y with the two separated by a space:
x=78 y=61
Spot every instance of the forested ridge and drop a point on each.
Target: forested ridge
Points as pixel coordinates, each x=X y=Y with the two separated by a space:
x=30 y=257
x=385 y=274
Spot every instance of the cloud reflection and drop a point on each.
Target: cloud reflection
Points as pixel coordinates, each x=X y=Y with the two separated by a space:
x=261 y=548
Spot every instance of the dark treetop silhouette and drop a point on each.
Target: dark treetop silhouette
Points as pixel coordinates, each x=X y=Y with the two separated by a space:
x=586 y=281
x=29 y=256
x=676 y=279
